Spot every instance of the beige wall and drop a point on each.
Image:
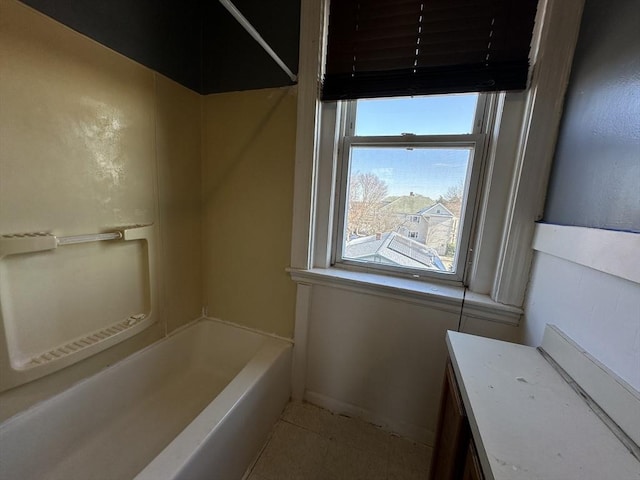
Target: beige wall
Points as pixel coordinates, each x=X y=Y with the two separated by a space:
x=179 y=157
x=248 y=163
x=91 y=141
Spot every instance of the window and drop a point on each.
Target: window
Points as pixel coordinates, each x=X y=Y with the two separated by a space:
x=517 y=161
x=402 y=160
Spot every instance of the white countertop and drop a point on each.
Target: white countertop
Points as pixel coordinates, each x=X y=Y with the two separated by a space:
x=527 y=422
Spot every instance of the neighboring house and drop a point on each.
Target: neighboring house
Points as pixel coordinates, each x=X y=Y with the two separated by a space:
x=436 y=228
x=407 y=204
x=392 y=248
x=421 y=219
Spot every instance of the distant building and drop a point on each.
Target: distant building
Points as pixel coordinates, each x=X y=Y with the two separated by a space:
x=421 y=219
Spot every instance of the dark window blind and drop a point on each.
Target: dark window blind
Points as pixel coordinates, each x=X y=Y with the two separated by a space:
x=383 y=48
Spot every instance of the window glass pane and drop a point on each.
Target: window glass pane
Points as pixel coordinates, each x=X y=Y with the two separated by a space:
x=404 y=205
x=432 y=115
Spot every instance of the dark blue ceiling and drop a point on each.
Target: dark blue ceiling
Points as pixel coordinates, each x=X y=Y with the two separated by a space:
x=194 y=42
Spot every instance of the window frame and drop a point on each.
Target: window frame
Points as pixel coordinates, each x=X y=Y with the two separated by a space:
x=478 y=141
x=514 y=183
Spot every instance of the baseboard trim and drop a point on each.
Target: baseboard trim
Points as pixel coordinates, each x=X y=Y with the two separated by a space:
x=407 y=430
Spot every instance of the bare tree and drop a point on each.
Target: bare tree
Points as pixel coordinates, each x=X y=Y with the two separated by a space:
x=366 y=194
x=452 y=199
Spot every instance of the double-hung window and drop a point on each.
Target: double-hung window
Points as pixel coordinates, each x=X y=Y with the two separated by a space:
x=448 y=47
x=409 y=172
x=414 y=134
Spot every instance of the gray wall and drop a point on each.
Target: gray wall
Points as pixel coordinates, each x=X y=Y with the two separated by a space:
x=595 y=180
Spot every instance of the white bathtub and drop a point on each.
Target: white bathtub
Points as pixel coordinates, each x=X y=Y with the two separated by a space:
x=196 y=405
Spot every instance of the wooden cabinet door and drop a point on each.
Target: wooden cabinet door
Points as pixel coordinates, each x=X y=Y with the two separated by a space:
x=452 y=437
x=472 y=469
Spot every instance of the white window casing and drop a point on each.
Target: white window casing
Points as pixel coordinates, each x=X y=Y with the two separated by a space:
x=512 y=184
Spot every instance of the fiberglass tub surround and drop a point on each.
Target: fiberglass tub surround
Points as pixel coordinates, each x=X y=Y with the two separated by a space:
x=198 y=404
x=54 y=310
x=78 y=211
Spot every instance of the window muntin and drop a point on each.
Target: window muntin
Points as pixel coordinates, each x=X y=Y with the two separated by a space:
x=390 y=180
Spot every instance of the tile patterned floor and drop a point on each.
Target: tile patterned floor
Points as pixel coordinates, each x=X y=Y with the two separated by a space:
x=309 y=443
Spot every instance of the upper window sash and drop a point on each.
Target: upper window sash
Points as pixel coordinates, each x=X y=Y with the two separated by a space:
x=347 y=123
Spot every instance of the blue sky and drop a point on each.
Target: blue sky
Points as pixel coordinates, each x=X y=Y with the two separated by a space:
x=428 y=172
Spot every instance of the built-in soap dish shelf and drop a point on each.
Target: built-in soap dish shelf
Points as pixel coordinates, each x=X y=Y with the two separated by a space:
x=126 y=270
x=87 y=341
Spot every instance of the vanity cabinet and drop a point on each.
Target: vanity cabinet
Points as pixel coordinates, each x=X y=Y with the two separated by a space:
x=472 y=469
x=455 y=456
x=452 y=435
x=507 y=413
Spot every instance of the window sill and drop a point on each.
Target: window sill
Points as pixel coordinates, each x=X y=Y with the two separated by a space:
x=434 y=295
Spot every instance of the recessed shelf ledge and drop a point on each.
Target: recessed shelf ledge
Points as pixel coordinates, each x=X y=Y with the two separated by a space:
x=18 y=367
x=443 y=297
x=96 y=337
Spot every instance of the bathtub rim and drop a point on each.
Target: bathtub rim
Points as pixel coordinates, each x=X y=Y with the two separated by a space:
x=17 y=416
x=176 y=456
